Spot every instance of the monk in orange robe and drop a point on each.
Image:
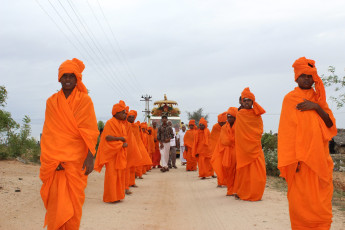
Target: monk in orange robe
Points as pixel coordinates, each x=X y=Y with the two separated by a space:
x=305 y=129
x=112 y=153
x=201 y=150
x=131 y=116
x=214 y=145
x=133 y=155
x=145 y=160
x=68 y=144
x=144 y=137
x=251 y=169
x=227 y=139
x=156 y=156
x=192 y=162
x=151 y=143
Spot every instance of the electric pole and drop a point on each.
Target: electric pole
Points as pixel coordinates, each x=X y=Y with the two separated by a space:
x=147 y=111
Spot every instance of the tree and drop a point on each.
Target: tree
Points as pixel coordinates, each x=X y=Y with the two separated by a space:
x=197 y=115
x=7 y=124
x=339 y=82
x=100 y=125
x=14 y=143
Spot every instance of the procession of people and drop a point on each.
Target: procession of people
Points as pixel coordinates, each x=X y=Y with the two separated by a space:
x=231 y=152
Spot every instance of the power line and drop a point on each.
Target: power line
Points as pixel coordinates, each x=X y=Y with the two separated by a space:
x=101 y=27
x=122 y=55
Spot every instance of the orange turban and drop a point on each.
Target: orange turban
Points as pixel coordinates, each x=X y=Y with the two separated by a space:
x=127 y=109
x=150 y=128
x=232 y=111
x=256 y=107
x=138 y=123
x=222 y=117
x=203 y=121
x=118 y=107
x=73 y=66
x=307 y=66
x=144 y=125
x=191 y=122
x=133 y=113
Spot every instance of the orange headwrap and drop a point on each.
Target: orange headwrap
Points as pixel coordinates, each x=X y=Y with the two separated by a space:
x=144 y=125
x=307 y=66
x=127 y=109
x=118 y=107
x=203 y=121
x=138 y=123
x=73 y=66
x=133 y=113
x=222 y=117
x=232 y=111
x=150 y=128
x=191 y=122
x=256 y=107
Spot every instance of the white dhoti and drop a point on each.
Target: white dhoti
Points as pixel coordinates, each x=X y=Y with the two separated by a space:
x=182 y=148
x=165 y=154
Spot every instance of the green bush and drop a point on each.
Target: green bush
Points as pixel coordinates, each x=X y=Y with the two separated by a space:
x=269 y=145
x=15 y=140
x=271 y=160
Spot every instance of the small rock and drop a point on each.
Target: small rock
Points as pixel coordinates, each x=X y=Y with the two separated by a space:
x=20 y=178
x=17 y=190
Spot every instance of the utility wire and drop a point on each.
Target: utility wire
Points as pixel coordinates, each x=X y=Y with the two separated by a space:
x=93 y=51
x=101 y=27
x=122 y=56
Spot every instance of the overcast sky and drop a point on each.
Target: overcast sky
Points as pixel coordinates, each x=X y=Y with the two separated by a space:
x=201 y=53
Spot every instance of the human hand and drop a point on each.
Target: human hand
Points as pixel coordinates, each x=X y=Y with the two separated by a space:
x=88 y=163
x=60 y=167
x=125 y=145
x=307 y=105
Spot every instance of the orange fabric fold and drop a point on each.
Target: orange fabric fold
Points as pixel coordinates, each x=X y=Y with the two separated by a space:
x=69 y=132
x=214 y=137
x=304 y=160
x=251 y=169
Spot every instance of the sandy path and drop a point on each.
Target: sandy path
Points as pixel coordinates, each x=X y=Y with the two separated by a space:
x=173 y=200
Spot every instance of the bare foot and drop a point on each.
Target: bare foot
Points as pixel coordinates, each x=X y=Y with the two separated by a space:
x=128 y=192
x=203 y=178
x=134 y=186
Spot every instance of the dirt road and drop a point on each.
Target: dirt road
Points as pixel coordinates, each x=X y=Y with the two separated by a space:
x=172 y=200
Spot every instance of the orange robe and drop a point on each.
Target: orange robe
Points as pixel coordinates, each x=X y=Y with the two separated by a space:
x=189 y=143
x=133 y=156
x=218 y=154
x=214 y=137
x=227 y=139
x=305 y=163
x=156 y=156
x=251 y=169
x=151 y=145
x=114 y=157
x=69 y=132
x=145 y=160
x=201 y=147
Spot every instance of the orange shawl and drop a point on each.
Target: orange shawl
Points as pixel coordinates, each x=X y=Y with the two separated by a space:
x=112 y=150
x=214 y=136
x=145 y=160
x=249 y=129
x=303 y=136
